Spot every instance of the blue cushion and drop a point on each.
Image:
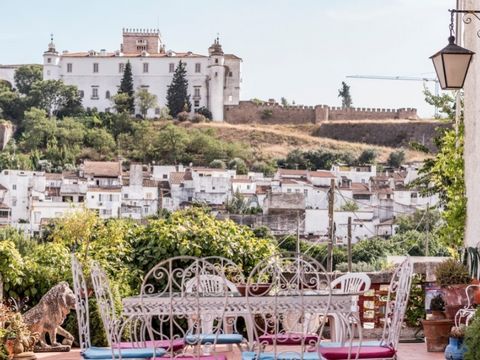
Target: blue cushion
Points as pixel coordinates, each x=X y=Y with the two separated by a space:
x=284 y=355
x=136 y=353
x=222 y=339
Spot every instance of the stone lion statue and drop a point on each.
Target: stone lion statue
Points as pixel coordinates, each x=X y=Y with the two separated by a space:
x=50 y=313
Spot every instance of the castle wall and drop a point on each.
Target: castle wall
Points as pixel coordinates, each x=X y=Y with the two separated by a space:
x=273 y=113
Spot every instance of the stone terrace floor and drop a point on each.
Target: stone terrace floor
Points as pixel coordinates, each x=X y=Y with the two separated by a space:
x=406 y=351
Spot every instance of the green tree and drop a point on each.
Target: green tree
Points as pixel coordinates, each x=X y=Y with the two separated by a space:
x=101 y=140
x=367 y=156
x=122 y=103
x=396 y=158
x=217 y=164
x=178 y=99
x=12 y=105
x=284 y=101
x=172 y=141
x=349 y=206
x=26 y=75
x=239 y=165
x=126 y=87
x=39 y=129
x=145 y=101
x=344 y=93
x=55 y=97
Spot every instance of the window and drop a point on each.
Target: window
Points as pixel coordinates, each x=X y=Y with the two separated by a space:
x=145 y=67
x=94 y=92
x=81 y=198
x=121 y=67
x=81 y=93
x=248 y=187
x=196 y=103
x=289 y=190
x=49 y=60
x=95 y=67
x=198 y=67
x=230 y=74
x=125 y=196
x=14 y=187
x=171 y=67
x=216 y=61
x=69 y=67
x=196 y=91
x=157 y=111
x=165 y=176
x=148 y=196
x=107 y=94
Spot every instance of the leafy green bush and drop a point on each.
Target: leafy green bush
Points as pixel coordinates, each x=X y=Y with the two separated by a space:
x=472 y=338
x=12 y=268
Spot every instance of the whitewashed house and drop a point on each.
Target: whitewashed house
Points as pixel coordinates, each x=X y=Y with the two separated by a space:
x=356 y=174
x=139 y=194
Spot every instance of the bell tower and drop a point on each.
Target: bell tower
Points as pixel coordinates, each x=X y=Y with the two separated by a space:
x=51 y=62
x=216 y=84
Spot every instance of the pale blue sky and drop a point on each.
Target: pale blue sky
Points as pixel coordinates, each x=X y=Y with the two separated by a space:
x=299 y=49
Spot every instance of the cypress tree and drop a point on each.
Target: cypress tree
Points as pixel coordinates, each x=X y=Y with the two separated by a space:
x=178 y=99
x=126 y=87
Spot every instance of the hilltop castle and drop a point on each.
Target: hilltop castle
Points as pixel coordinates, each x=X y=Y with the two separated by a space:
x=213 y=79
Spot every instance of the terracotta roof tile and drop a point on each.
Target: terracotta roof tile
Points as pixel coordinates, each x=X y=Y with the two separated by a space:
x=321 y=174
x=103 y=168
x=177 y=177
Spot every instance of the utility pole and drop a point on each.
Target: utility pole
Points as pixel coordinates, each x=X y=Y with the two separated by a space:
x=349 y=244
x=331 y=225
x=427 y=232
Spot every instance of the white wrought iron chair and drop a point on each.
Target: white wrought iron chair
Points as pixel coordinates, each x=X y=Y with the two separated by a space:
x=83 y=316
x=465 y=314
x=386 y=348
x=287 y=315
x=190 y=306
x=351 y=283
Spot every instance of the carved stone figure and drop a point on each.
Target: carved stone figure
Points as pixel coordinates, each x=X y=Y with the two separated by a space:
x=50 y=313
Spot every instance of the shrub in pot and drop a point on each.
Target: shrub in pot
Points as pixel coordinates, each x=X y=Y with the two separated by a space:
x=453 y=277
x=437 y=307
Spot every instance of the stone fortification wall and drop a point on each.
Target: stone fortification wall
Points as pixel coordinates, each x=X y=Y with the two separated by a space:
x=273 y=113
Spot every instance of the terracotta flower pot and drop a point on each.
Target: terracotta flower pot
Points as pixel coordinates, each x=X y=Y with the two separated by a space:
x=9 y=345
x=437 y=315
x=437 y=334
x=254 y=289
x=455 y=295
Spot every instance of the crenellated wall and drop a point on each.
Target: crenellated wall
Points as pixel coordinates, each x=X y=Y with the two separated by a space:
x=273 y=113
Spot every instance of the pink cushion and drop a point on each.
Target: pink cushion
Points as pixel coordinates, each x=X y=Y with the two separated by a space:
x=174 y=345
x=288 y=339
x=366 y=352
x=193 y=357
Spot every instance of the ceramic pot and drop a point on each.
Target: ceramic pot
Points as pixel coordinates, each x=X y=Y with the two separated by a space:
x=455 y=349
x=437 y=315
x=436 y=334
x=254 y=289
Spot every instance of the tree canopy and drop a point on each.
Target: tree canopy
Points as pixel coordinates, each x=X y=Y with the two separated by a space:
x=178 y=99
x=344 y=93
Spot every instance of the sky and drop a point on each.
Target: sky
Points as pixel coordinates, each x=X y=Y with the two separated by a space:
x=298 y=49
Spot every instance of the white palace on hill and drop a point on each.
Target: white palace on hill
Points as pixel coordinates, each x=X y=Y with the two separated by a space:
x=213 y=79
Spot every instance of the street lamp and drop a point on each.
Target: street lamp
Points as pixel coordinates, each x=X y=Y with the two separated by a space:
x=452 y=62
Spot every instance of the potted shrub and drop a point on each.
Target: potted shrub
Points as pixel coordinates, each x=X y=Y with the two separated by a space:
x=437 y=307
x=455 y=348
x=453 y=277
x=436 y=328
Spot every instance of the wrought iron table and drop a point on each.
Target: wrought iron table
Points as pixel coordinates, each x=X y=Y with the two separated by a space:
x=315 y=302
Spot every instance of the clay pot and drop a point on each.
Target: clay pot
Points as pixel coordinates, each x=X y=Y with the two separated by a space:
x=437 y=315
x=455 y=295
x=10 y=346
x=451 y=310
x=436 y=334
x=254 y=289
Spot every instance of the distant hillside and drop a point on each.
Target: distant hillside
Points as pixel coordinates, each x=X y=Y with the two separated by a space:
x=276 y=141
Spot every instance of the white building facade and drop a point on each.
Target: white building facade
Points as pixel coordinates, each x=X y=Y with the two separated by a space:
x=213 y=79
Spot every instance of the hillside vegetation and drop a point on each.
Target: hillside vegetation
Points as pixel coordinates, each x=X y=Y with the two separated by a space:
x=276 y=141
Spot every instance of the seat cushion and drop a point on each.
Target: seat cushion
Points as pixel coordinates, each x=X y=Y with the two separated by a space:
x=365 y=352
x=137 y=353
x=175 y=345
x=288 y=339
x=220 y=339
x=355 y=343
x=193 y=357
x=283 y=355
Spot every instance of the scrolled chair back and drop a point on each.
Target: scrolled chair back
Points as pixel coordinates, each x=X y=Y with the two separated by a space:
x=81 y=303
x=190 y=301
x=398 y=295
x=291 y=310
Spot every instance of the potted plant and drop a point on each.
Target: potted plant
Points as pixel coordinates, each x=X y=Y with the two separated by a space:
x=453 y=277
x=455 y=348
x=437 y=307
x=436 y=328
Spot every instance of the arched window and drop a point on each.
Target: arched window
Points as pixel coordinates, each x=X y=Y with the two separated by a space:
x=107 y=94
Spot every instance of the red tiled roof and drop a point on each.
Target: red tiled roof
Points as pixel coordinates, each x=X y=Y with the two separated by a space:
x=126 y=55
x=53 y=176
x=292 y=172
x=177 y=177
x=321 y=174
x=103 y=168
